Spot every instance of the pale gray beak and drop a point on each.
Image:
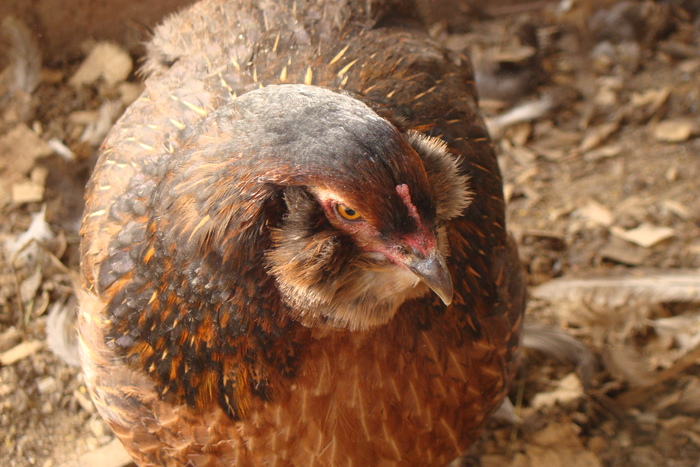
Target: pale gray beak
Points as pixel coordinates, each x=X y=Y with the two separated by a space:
x=434 y=272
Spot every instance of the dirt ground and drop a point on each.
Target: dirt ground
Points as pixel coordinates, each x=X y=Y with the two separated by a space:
x=602 y=181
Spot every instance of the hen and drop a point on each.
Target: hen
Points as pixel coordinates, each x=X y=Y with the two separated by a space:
x=294 y=249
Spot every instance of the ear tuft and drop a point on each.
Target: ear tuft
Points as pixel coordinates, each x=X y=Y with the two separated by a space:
x=450 y=186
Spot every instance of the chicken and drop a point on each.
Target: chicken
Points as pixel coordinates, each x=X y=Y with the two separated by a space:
x=294 y=248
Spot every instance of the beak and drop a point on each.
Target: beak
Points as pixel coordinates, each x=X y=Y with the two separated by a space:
x=433 y=271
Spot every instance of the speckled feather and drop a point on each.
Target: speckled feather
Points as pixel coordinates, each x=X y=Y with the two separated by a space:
x=191 y=351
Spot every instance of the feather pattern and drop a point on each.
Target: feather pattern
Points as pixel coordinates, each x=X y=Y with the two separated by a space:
x=229 y=314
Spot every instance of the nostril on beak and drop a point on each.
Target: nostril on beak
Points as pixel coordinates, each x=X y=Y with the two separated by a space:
x=413 y=251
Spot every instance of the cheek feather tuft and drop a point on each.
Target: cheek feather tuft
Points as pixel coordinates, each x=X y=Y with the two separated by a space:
x=446 y=175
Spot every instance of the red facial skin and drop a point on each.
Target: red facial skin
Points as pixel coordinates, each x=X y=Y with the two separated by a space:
x=420 y=244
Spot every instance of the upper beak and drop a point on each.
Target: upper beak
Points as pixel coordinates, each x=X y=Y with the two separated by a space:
x=433 y=271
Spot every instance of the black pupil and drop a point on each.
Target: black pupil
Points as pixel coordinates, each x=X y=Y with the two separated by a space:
x=350 y=212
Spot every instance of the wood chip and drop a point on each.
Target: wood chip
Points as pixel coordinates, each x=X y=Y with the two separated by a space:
x=47 y=385
x=646 y=235
x=108 y=61
x=552 y=154
x=679 y=49
x=508 y=190
x=83 y=117
x=9 y=338
x=686 y=401
x=654 y=98
x=674 y=131
x=27 y=192
x=111 y=454
x=679 y=209
x=513 y=54
x=99 y=428
x=129 y=92
x=554 y=238
x=597 y=135
x=672 y=174
x=39 y=175
x=520 y=133
x=689 y=66
x=522 y=155
x=606 y=97
x=20 y=352
x=84 y=401
x=603 y=152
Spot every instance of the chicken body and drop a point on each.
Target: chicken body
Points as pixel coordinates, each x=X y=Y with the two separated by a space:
x=294 y=246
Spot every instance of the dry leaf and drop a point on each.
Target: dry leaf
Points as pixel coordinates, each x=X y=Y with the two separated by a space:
x=558 y=445
x=558 y=434
x=561 y=457
x=620 y=252
x=30 y=285
x=568 y=390
x=646 y=235
x=683 y=330
x=597 y=213
x=20 y=148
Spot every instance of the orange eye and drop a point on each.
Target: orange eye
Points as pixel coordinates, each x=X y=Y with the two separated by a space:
x=347 y=212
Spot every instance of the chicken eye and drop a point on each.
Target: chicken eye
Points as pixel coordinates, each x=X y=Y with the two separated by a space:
x=347 y=212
